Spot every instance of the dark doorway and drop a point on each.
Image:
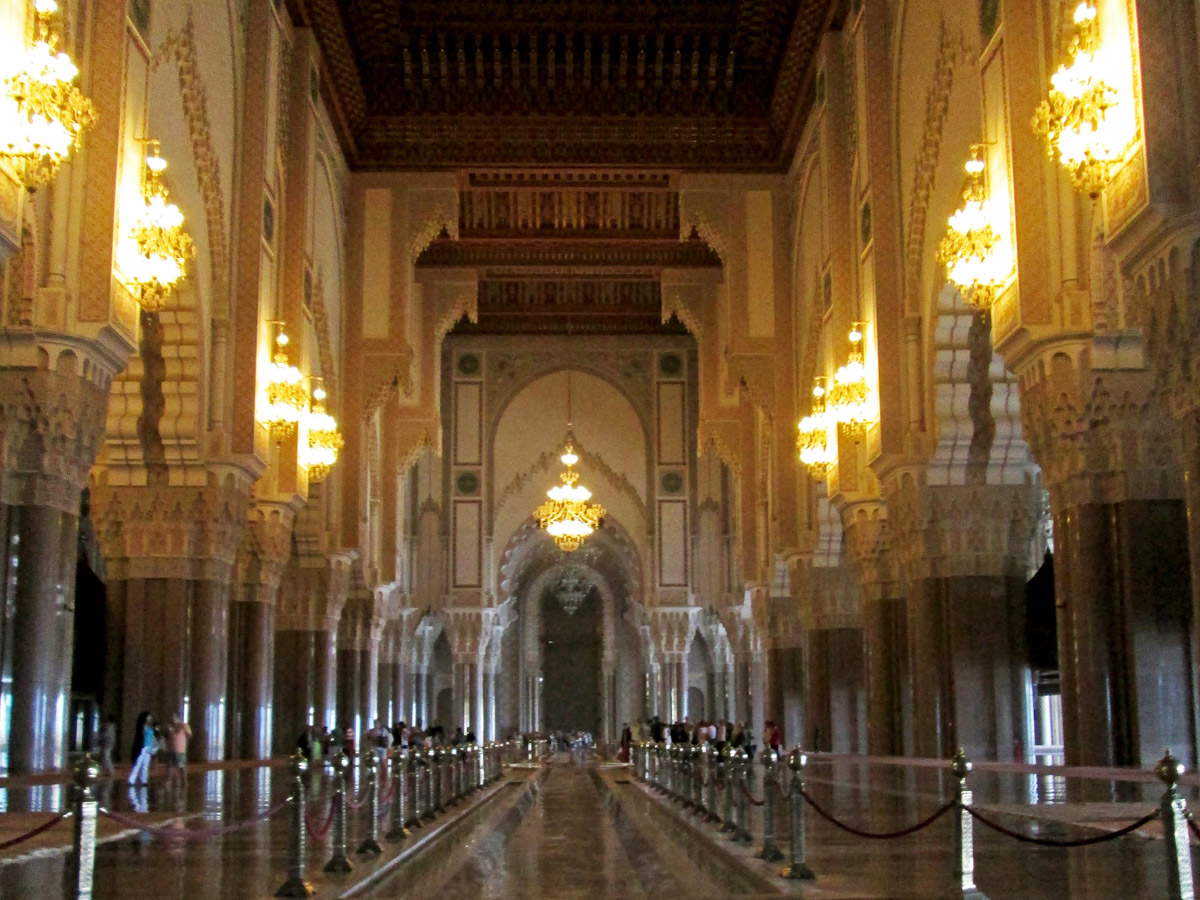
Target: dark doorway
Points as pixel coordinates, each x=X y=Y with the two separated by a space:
x=571 y=647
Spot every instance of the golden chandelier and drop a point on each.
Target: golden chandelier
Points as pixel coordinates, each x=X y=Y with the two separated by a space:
x=850 y=397
x=43 y=115
x=287 y=400
x=319 y=451
x=812 y=435
x=1075 y=119
x=969 y=249
x=567 y=516
x=163 y=247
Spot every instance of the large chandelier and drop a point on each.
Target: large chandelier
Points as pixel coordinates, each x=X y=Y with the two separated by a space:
x=287 y=400
x=812 y=435
x=567 y=516
x=319 y=451
x=43 y=115
x=572 y=591
x=969 y=249
x=1075 y=119
x=850 y=396
x=163 y=247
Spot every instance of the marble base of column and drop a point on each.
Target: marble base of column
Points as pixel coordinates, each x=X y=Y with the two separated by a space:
x=252 y=630
x=293 y=688
x=885 y=645
x=207 y=672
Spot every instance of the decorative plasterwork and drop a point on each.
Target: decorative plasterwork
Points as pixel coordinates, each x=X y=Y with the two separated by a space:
x=550 y=459
x=320 y=318
x=180 y=46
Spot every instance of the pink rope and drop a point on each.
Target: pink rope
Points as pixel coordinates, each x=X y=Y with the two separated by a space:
x=29 y=835
x=199 y=833
x=319 y=834
x=361 y=801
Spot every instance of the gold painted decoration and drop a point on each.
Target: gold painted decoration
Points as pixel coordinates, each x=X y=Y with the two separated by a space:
x=43 y=114
x=1075 y=119
x=161 y=249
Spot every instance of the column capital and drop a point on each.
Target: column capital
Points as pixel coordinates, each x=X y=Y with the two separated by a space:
x=265 y=548
x=172 y=531
x=940 y=531
x=867 y=538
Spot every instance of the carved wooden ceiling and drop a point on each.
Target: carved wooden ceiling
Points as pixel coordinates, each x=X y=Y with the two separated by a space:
x=684 y=84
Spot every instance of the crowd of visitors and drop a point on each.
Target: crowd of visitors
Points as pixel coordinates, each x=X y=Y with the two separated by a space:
x=716 y=734
x=318 y=745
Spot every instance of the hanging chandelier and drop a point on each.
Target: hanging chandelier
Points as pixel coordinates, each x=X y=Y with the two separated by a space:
x=969 y=250
x=567 y=516
x=1075 y=118
x=43 y=115
x=850 y=396
x=319 y=451
x=163 y=248
x=287 y=400
x=812 y=435
x=572 y=591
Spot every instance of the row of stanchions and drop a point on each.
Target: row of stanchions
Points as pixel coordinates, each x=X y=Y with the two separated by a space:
x=716 y=785
x=439 y=777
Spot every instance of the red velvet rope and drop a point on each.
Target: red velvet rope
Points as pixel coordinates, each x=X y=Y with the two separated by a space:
x=1049 y=842
x=199 y=833
x=361 y=801
x=319 y=834
x=749 y=796
x=29 y=835
x=874 y=835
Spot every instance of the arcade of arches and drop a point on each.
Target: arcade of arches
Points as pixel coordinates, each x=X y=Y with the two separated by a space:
x=669 y=219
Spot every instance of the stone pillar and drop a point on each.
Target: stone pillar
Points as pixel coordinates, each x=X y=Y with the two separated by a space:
x=51 y=423
x=170 y=555
x=386 y=677
x=1122 y=577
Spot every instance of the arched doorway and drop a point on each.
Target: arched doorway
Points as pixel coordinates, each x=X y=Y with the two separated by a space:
x=571 y=643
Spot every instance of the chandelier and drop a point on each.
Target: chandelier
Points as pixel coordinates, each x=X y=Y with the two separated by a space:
x=319 y=451
x=812 y=435
x=44 y=115
x=969 y=249
x=287 y=400
x=572 y=591
x=567 y=516
x=1075 y=119
x=163 y=247
x=850 y=396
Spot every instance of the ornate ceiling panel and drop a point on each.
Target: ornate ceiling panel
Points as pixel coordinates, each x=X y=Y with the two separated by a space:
x=699 y=84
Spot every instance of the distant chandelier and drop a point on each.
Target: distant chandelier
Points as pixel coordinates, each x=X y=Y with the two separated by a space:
x=43 y=115
x=287 y=400
x=319 y=451
x=163 y=247
x=812 y=437
x=1075 y=119
x=572 y=591
x=850 y=396
x=969 y=248
x=567 y=516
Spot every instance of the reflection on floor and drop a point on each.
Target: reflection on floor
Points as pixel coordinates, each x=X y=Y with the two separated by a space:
x=579 y=832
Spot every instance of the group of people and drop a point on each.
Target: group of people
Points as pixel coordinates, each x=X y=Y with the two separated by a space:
x=151 y=741
x=716 y=734
x=321 y=744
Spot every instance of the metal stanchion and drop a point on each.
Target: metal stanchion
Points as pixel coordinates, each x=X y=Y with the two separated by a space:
x=694 y=798
x=770 y=851
x=399 y=769
x=450 y=773
x=430 y=770
x=297 y=881
x=727 y=769
x=418 y=796
x=1173 y=810
x=797 y=867
x=964 y=833
x=436 y=777
x=741 y=834
x=370 y=844
x=83 y=842
x=339 y=862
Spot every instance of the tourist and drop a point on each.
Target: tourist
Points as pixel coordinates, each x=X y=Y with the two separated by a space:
x=458 y=737
x=381 y=739
x=145 y=743
x=349 y=746
x=304 y=743
x=178 y=735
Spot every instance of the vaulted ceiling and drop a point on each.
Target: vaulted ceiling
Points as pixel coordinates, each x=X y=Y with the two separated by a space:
x=682 y=84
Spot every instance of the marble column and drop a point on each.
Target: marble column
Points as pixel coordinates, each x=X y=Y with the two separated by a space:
x=349 y=685
x=294 y=687
x=885 y=650
x=252 y=673
x=385 y=678
x=1123 y=587
x=207 y=670
x=51 y=426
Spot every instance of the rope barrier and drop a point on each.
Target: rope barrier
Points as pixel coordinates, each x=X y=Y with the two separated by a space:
x=750 y=797
x=361 y=801
x=1049 y=842
x=29 y=835
x=319 y=834
x=874 y=835
x=391 y=792
x=196 y=834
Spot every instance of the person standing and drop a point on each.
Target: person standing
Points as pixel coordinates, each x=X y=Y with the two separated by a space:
x=178 y=735
x=145 y=743
x=107 y=744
